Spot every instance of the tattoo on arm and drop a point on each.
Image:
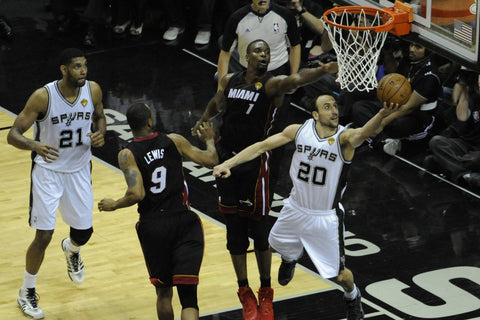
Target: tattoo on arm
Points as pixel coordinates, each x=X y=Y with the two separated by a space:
x=131 y=177
x=122 y=159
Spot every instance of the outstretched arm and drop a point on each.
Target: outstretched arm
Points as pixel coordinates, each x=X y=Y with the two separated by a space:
x=135 y=190
x=255 y=150
x=280 y=85
x=352 y=138
x=206 y=133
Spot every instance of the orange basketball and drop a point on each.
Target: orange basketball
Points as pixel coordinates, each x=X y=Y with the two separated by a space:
x=395 y=88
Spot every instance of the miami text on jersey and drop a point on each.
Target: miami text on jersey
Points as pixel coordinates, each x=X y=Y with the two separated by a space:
x=243 y=94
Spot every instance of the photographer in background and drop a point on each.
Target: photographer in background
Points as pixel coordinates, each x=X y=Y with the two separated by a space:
x=456 y=151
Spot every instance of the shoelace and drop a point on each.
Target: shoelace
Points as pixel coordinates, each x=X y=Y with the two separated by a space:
x=74 y=259
x=32 y=297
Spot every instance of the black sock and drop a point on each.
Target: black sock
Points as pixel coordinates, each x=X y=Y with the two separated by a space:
x=243 y=283
x=265 y=283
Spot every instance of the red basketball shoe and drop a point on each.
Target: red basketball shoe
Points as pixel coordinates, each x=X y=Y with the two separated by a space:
x=265 y=300
x=249 y=303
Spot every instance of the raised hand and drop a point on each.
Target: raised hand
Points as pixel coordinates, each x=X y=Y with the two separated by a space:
x=205 y=131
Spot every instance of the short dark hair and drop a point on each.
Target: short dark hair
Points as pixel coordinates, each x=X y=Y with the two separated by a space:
x=250 y=45
x=68 y=54
x=138 y=115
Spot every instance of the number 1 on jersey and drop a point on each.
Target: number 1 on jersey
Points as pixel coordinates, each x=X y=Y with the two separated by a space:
x=250 y=108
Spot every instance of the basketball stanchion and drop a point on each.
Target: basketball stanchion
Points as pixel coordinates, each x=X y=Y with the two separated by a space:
x=357 y=34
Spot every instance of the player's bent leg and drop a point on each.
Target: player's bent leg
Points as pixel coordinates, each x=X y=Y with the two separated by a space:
x=164 y=303
x=290 y=250
x=80 y=237
x=71 y=249
x=286 y=271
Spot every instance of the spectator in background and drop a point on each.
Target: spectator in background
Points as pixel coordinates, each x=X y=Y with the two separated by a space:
x=457 y=149
x=129 y=13
x=177 y=19
x=417 y=116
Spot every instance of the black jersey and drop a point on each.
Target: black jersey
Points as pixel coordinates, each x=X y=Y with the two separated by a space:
x=423 y=78
x=248 y=115
x=161 y=166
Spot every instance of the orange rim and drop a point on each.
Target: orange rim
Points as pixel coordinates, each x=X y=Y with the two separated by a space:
x=384 y=14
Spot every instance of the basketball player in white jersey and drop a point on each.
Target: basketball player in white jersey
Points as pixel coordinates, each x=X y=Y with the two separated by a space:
x=69 y=120
x=312 y=217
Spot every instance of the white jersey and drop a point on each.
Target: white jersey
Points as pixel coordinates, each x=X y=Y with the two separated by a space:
x=65 y=126
x=318 y=170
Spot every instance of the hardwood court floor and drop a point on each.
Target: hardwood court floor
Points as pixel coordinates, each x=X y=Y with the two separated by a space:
x=116 y=285
x=412 y=238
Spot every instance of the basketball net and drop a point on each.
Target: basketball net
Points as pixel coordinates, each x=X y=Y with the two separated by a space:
x=357 y=48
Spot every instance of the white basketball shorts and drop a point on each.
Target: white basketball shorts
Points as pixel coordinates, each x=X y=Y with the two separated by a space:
x=71 y=193
x=317 y=232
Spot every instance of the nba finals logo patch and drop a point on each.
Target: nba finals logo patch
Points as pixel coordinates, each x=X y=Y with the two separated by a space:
x=84 y=102
x=258 y=85
x=276 y=27
x=331 y=141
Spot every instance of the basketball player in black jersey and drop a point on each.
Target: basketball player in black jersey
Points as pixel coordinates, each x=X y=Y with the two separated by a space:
x=152 y=165
x=249 y=101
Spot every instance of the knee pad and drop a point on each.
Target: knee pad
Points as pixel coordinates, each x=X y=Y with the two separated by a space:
x=80 y=237
x=187 y=293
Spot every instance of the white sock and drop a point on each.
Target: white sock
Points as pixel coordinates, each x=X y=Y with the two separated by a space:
x=29 y=280
x=72 y=247
x=352 y=294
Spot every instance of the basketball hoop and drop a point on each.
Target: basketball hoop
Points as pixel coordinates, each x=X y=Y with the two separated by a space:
x=357 y=34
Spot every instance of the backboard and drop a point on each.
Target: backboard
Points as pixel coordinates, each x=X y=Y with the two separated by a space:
x=447 y=27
